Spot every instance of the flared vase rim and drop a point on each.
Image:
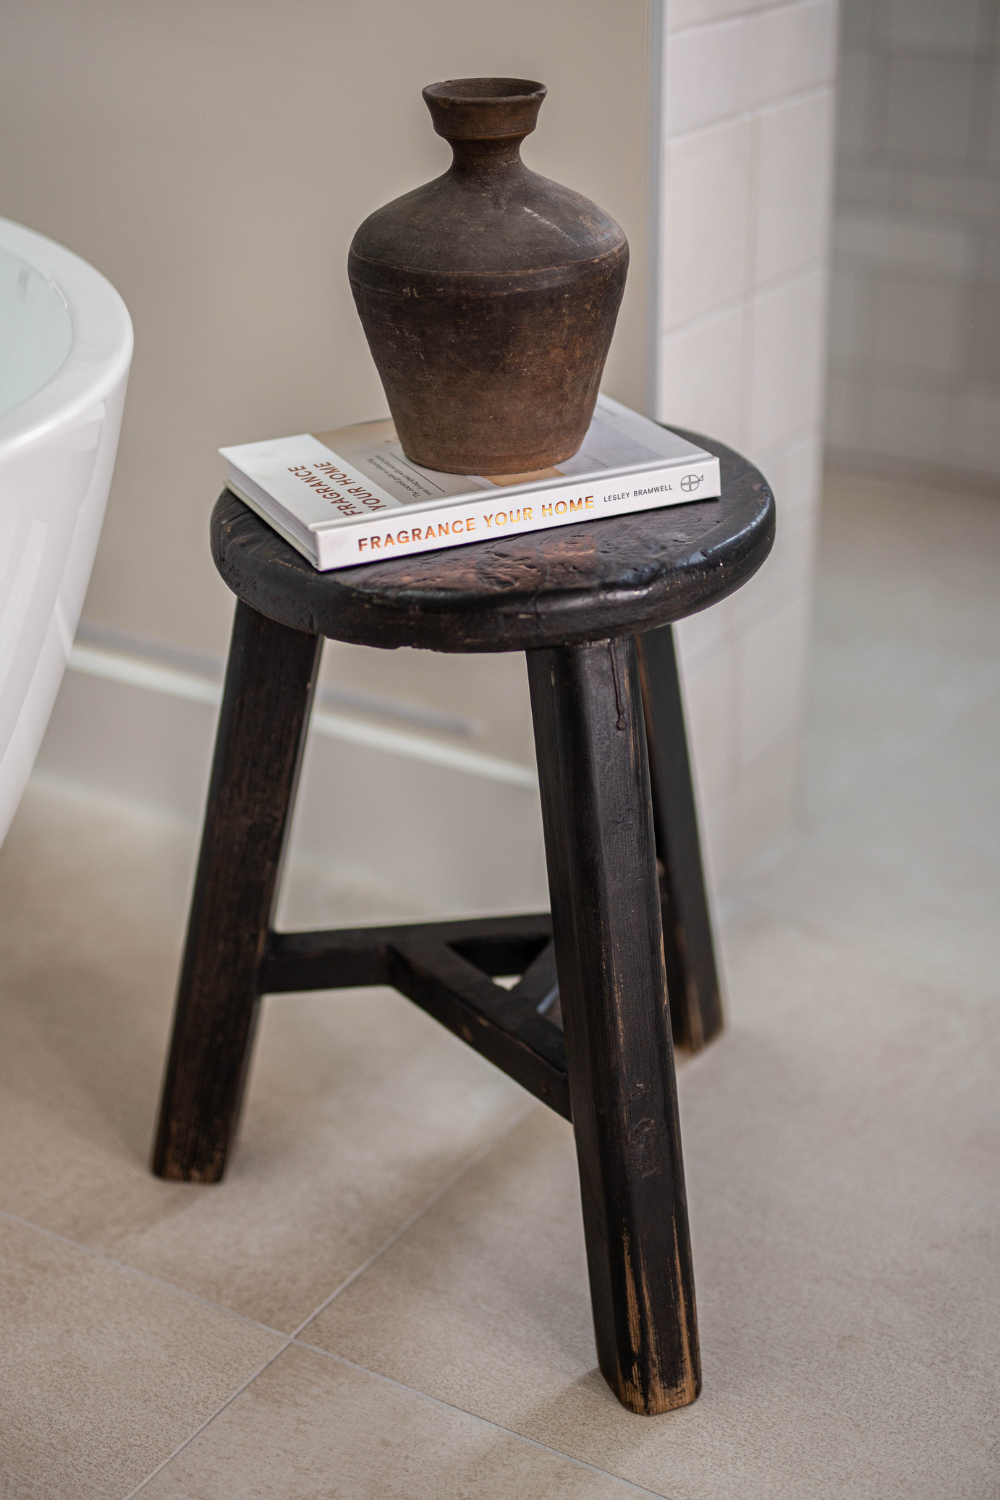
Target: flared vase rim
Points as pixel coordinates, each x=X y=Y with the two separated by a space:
x=479 y=90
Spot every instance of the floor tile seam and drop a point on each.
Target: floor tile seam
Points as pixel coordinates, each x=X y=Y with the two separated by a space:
x=418 y=1213
x=124 y=1265
x=209 y=1420
x=413 y=1390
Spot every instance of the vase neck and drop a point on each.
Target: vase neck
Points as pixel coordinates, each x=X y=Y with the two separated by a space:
x=485 y=120
x=495 y=158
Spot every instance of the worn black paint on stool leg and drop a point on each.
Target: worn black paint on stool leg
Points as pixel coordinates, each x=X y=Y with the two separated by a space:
x=692 y=976
x=265 y=712
x=599 y=839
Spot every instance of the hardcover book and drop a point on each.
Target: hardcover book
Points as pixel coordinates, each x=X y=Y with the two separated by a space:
x=352 y=496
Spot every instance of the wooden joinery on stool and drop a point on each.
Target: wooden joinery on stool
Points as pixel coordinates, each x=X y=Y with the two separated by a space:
x=626 y=955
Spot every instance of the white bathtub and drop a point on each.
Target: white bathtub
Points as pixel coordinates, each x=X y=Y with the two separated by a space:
x=65 y=352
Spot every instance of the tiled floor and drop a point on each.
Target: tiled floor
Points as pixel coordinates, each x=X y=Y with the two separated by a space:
x=387 y=1297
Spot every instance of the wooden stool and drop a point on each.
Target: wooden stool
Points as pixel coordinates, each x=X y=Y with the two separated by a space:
x=584 y=603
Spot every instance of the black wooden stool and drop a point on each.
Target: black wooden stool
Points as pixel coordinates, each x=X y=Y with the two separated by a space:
x=583 y=602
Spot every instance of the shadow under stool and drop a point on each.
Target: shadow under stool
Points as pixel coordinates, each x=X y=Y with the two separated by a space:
x=626 y=957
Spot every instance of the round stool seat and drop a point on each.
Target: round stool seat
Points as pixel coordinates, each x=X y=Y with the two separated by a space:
x=570 y=584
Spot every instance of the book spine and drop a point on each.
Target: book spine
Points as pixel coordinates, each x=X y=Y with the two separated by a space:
x=497 y=515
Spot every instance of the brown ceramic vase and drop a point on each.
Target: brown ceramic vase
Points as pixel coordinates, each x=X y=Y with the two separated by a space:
x=489 y=296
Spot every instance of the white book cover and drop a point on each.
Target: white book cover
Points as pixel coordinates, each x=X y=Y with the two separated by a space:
x=352 y=496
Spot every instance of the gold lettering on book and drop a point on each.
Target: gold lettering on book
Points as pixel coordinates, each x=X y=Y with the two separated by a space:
x=406 y=538
x=505 y=518
x=526 y=513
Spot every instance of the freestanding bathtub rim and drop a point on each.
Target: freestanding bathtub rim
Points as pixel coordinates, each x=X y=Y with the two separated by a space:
x=57 y=452
x=100 y=349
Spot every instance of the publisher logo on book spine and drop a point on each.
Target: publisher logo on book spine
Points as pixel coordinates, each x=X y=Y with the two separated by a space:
x=691 y=482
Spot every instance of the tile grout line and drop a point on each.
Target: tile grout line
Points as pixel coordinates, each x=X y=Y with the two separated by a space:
x=436 y=1197
x=754 y=111
x=742 y=300
x=766 y=8
x=291 y=1338
x=401 y=1385
x=209 y=1420
x=230 y=1312
x=124 y=1265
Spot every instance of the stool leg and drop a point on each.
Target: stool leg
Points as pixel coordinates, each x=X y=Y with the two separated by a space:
x=591 y=748
x=692 y=978
x=258 y=750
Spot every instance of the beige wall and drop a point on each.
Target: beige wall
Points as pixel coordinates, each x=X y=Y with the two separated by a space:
x=214 y=157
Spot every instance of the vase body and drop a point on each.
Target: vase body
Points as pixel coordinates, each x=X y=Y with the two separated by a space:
x=489 y=296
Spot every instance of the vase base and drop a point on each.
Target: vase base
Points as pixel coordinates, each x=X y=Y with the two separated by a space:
x=521 y=468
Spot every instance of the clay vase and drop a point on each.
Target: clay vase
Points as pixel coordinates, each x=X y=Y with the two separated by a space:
x=489 y=296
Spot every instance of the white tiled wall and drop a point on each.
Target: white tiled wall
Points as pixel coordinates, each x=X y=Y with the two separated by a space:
x=745 y=190
x=915 y=359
